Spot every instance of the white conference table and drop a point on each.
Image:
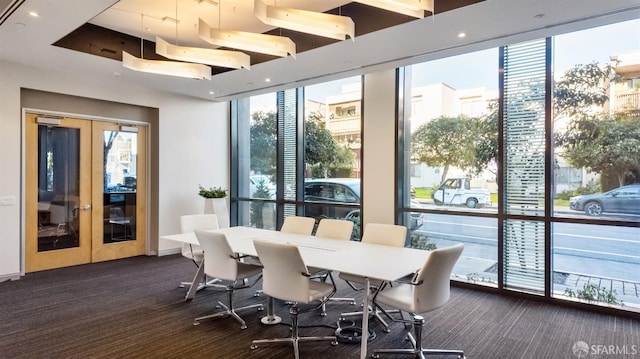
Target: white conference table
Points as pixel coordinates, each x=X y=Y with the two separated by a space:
x=370 y=261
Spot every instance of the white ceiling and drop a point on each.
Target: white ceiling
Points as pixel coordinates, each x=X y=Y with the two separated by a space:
x=27 y=40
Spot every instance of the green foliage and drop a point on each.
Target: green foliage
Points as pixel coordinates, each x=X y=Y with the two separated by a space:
x=421 y=241
x=603 y=144
x=423 y=192
x=319 y=146
x=263 y=142
x=581 y=88
x=592 y=293
x=325 y=157
x=591 y=187
x=355 y=234
x=486 y=140
x=257 y=206
x=444 y=142
x=212 y=192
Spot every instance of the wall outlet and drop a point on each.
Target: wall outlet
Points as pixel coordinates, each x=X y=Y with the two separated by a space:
x=7 y=201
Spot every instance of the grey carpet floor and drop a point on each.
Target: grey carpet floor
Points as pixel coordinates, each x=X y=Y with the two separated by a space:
x=133 y=308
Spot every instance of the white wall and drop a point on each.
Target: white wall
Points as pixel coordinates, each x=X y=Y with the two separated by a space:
x=378 y=159
x=193 y=150
x=193 y=138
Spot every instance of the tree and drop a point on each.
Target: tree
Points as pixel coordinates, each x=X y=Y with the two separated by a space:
x=319 y=145
x=445 y=142
x=486 y=147
x=263 y=142
x=581 y=88
x=603 y=144
x=321 y=150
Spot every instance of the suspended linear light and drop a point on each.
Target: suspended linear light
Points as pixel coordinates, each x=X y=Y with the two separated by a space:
x=223 y=58
x=310 y=22
x=247 y=41
x=171 y=68
x=414 y=8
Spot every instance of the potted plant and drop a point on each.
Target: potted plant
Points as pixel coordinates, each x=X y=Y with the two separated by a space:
x=212 y=192
x=215 y=202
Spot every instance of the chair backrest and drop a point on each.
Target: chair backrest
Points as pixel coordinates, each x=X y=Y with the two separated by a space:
x=435 y=276
x=282 y=271
x=385 y=234
x=191 y=222
x=298 y=224
x=219 y=259
x=335 y=229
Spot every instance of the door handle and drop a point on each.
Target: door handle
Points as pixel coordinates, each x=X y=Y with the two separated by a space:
x=86 y=207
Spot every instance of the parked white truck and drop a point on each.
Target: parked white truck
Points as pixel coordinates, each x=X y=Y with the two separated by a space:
x=458 y=191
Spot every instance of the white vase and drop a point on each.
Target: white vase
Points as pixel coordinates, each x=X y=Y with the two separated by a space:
x=218 y=206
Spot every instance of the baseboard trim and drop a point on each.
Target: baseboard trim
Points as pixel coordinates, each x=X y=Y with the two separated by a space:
x=166 y=252
x=7 y=277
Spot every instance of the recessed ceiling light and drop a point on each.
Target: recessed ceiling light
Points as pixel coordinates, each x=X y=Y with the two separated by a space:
x=461 y=35
x=267 y=80
x=147 y=29
x=210 y=92
x=34 y=14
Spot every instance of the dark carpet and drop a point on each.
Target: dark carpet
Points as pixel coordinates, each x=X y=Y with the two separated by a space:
x=133 y=308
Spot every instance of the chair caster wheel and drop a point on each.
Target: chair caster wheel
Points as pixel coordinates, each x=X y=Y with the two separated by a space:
x=323 y=314
x=253 y=347
x=354 y=303
x=196 y=323
x=375 y=356
x=243 y=327
x=334 y=343
x=386 y=330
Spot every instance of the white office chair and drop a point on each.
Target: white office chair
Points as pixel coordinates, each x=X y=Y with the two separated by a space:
x=376 y=233
x=285 y=276
x=221 y=262
x=335 y=229
x=189 y=223
x=429 y=290
x=298 y=224
x=338 y=229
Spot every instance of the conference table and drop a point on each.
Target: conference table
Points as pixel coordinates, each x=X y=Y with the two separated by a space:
x=370 y=261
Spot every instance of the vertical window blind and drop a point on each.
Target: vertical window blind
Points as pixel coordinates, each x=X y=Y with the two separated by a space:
x=524 y=174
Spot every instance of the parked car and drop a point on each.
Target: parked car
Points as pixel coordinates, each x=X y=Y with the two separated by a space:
x=625 y=199
x=335 y=192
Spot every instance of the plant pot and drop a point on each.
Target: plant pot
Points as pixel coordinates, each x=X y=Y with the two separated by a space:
x=218 y=206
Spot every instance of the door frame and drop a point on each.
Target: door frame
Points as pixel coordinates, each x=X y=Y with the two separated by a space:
x=145 y=228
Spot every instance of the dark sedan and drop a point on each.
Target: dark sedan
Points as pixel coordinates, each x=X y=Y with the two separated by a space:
x=625 y=199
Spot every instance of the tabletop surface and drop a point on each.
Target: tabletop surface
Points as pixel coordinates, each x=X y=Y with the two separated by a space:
x=363 y=259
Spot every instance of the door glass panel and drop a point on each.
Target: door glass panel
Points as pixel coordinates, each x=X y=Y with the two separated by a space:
x=119 y=197
x=58 y=187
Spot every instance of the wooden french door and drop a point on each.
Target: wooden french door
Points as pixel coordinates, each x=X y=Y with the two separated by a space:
x=85 y=193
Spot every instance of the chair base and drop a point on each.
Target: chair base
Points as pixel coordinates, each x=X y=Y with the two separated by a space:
x=229 y=312
x=295 y=338
x=208 y=284
x=417 y=351
x=375 y=314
